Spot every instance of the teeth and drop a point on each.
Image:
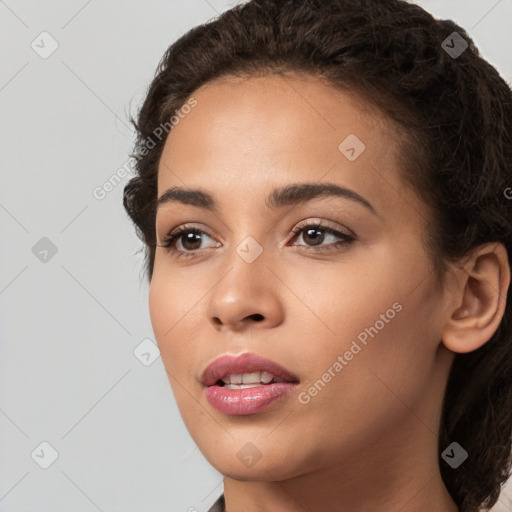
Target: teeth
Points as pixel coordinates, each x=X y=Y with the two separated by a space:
x=266 y=377
x=242 y=386
x=250 y=379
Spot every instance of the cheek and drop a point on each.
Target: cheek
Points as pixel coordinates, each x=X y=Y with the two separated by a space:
x=382 y=375
x=169 y=320
x=166 y=311
x=160 y=308
x=379 y=326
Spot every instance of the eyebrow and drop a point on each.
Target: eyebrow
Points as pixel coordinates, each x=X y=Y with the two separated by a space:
x=292 y=194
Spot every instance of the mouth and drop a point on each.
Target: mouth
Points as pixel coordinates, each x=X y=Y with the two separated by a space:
x=245 y=371
x=249 y=380
x=246 y=384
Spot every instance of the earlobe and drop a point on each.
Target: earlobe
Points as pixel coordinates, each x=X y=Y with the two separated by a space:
x=481 y=299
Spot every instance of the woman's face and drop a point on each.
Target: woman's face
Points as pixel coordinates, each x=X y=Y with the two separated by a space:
x=357 y=320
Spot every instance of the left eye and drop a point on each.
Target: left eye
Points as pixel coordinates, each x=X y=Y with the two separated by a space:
x=311 y=231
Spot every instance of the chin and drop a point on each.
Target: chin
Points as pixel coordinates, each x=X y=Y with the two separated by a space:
x=266 y=469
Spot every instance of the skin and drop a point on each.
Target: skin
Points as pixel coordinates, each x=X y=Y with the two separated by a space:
x=368 y=439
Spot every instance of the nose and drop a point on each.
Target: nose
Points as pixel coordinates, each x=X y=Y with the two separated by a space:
x=248 y=295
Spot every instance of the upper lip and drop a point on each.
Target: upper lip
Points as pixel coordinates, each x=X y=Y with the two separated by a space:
x=243 y=363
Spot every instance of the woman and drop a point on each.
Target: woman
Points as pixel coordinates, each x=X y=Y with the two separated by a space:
x=324 y=193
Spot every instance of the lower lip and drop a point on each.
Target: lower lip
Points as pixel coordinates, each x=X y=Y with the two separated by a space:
x=248 y=400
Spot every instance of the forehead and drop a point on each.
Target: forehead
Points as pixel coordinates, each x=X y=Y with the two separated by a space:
x=288 y=106
x=245 y=132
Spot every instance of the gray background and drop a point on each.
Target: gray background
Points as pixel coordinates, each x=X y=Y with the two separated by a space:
x=72 y=320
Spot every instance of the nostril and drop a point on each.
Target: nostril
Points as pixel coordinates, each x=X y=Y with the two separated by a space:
x=257 y=317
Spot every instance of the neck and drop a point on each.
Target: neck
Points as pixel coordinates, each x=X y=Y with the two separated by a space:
x=418 y=492
x=394 y=473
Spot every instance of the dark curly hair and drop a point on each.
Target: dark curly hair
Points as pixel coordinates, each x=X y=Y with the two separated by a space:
x=454 y=117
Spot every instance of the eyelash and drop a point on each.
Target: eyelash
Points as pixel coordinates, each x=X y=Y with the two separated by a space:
x=173 y=236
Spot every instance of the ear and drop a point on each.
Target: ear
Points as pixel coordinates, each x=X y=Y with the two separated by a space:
x=479 y=299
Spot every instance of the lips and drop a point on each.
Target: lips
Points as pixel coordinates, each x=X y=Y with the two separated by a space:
x=227 y=365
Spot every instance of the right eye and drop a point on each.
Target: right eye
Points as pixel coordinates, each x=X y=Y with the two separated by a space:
x=187 y=236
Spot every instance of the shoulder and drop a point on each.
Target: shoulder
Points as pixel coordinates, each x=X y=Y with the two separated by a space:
x=219 y=505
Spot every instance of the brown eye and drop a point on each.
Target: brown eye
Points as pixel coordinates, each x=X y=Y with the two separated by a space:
x=315 y=234
x=190 y=239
